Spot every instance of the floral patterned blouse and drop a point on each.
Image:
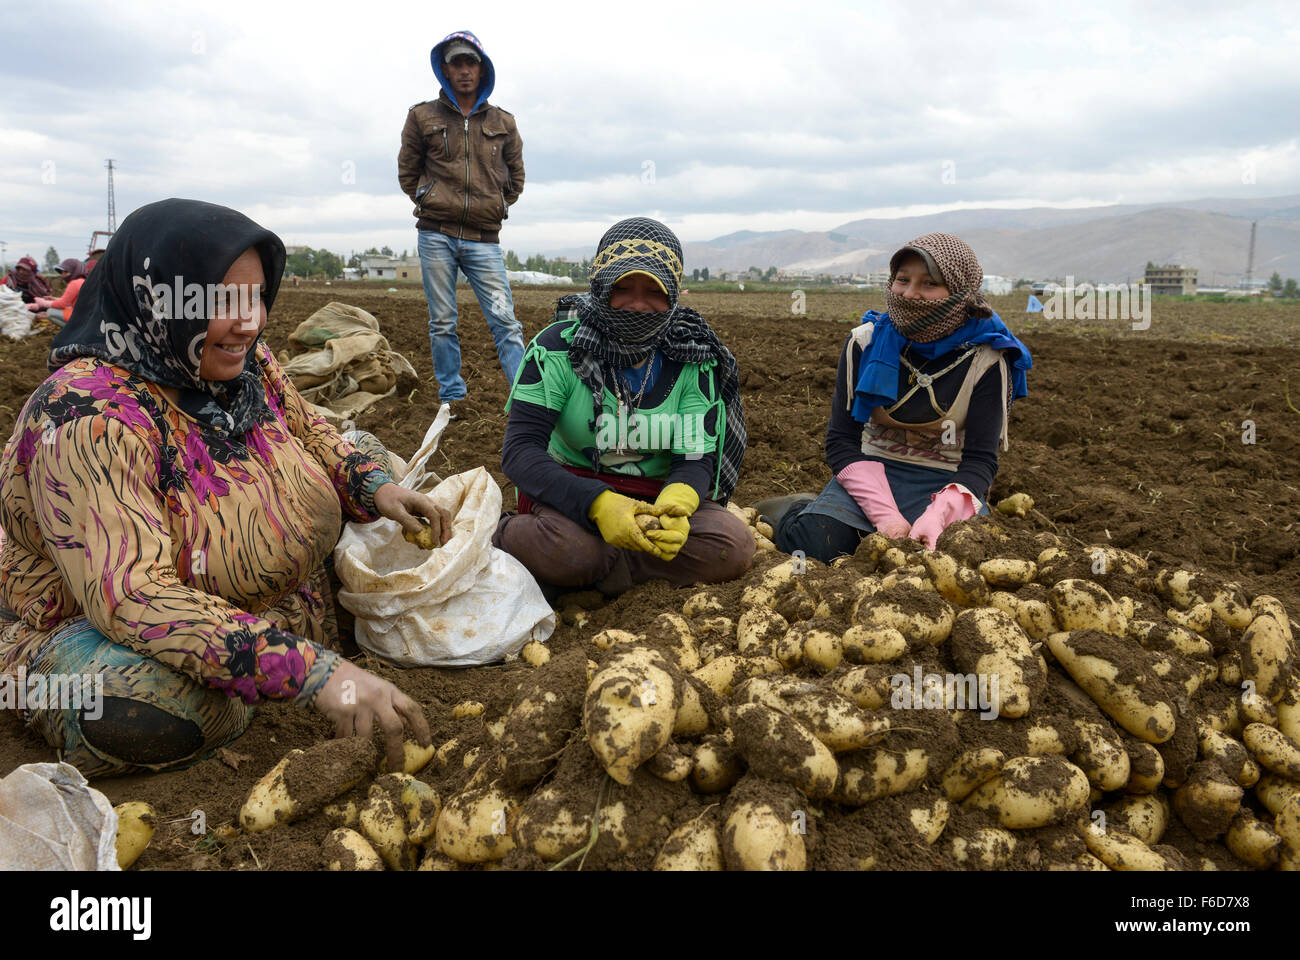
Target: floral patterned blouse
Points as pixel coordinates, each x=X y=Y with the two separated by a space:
x=204 y=552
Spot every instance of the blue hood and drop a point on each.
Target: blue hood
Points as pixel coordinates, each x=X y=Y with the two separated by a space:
x=489 y=72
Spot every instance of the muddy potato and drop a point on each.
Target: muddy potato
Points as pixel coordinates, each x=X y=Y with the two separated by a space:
x=607 y=638
x=630 y=710
x=778 y=747
x=1016 y=505
x=1253 y=842
x=1229 y=606
x=1051 y=735
x=912 y=575
x=955 y=583
x=305 y=781
x=1134 y=701
x=1231 y=756
x=758 y=838
x=989 y=643
x=718 y=633
x=1008 y=573
x=477 y=826
x=535 y=653
x=384 y=824
x=1273 y=791
x=342 y=814
x=1169 y=636
x=703 y=604
x=136 y=822
x=467 y=708
x=867 y=686
x=1207 y=801
x=758 y=629
x=692 y=717
x=723 y=674
x=692 y=846
x=345 y=849
x=1274 y=750
x=864 y=643
x=1122 y=851
x=1101 y=754
x=424 y=539
x=930 y=818
x=821 y=648
x=970 y=769
x=1083 y=605
x=1287 y=823
x=876 y=772
x=646 y=521
x=672 y=630
x=670 y=764
x=1031 y=792
x=1267 y=651
x=1255 y=708
x=716 y=765
x=422 y=805
x=1145 y=817
x=829 y=716
x=548 y=828
x=987 y=848
x=1146 y=767
x=929 y=623
x=1196 y=618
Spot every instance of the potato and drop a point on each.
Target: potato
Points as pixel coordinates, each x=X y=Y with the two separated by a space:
x=692 y=846
x=971 y=769
x=448 y=751
x=424 y=539
x=477 y=826
x=1122 y=851
x=930 y=623
x=1227 y=604
x=779 y=748
x=549 y=828
x=716 y=765
x=1176 y=586
x=671 y=631
x=692 y=718
x=821 y=648
x=435 y=861
x=1101 y=754
x=630 y=710
x=669 y=764
x=717 y=631
x=535 y=653
x=384 y=824
x=422 y=805
x=1146 y=767
x=930 y=818
x=703 y=604
x=547 y=707
x=647 y=521
x=1231 y=756
x=1031 y=792
x=722 y=675
x=1051 y=735
x=1016 y=505
x=345 y=849
x=1196 y=618
x=1207 y=801
x=1253 y=842
x=758 y=629
x=988 y=848
x=912 y=575
x=758 y=595
x=869 y=687
x=467 y=708
x=414 y=757
x=1083 y=605
x=872 y=644
x=1287 y=823
x=989 y=643
x=761 y=827
x=607 y=638
x=1145 y=817
x=1273 y=749
x=1267 y=653
x=876 y=772
x=136 y=822
x=1132 y=698
x=829 y=716
x=1008 y=573
x=1255 y=708
x=956 y=584
x=305 y=781
x=342 y=814
x=1169 y=636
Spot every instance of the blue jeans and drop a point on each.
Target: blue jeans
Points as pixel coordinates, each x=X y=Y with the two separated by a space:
x=440 y=257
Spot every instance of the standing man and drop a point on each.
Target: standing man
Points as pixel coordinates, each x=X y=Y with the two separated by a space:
x=461 y=163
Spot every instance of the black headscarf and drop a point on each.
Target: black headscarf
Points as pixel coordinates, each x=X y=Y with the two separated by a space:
x=122 y=317
x=607 y=339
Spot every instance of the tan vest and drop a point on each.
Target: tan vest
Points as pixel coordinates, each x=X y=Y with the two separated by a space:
x=937 y=444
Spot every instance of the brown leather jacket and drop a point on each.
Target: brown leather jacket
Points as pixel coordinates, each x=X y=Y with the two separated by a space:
x=462 y=173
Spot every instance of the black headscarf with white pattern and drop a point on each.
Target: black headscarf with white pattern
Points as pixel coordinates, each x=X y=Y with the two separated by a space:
x=126 y=315
x=609 y=340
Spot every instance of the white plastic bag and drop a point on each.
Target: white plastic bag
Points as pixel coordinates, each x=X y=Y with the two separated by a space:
x=461 y=605
x=15 y=318
x=52 y=819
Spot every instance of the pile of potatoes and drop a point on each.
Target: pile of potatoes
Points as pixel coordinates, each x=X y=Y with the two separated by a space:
x=760 y=721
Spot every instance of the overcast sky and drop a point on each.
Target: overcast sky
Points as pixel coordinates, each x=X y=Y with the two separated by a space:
x=760 y=116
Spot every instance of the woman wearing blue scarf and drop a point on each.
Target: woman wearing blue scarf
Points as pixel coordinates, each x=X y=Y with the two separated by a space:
x=922 y=400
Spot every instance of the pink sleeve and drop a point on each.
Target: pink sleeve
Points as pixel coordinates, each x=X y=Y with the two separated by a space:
x=69 y=295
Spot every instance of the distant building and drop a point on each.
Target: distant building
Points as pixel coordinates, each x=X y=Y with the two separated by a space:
x=1171 y=279
x=995 y=285
x=878 y=278
x=391 y=268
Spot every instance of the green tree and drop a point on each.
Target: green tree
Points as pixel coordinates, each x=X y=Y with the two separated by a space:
x=354 y=261
x=386 y=251
x=51 y=259
x=1275 y=283
x=1290 y=290
x=512 y=261
x=704 y=274
x=371 y=252
x=771 y=274
x=695 y=274
x=329 y=264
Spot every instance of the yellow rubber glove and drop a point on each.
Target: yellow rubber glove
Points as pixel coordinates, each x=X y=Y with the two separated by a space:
x=675 y=505
x=615 y=518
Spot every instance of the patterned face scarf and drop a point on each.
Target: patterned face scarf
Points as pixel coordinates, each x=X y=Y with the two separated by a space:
x=952 y=263
x=609 y=340
x=128 y=313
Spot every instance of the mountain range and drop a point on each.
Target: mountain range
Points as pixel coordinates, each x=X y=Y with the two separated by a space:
x=1100 y=244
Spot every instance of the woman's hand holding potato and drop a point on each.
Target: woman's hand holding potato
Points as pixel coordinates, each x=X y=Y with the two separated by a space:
x=354 y=699
x=407 y=507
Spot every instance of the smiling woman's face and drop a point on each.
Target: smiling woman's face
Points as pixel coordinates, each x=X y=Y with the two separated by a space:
x=237 y=321
x=913 y=281
x=637 y=292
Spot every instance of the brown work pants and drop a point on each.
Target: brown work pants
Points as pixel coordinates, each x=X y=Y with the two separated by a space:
x=561 y=553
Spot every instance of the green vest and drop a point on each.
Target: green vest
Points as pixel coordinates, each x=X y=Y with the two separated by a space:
x=637 y=443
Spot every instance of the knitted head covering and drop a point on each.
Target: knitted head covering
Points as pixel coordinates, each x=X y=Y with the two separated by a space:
x=126 y=314
x=609 y=340
x=952 y=263
x=75 y=269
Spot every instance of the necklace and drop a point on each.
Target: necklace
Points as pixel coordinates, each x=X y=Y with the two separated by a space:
x=635 y=401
